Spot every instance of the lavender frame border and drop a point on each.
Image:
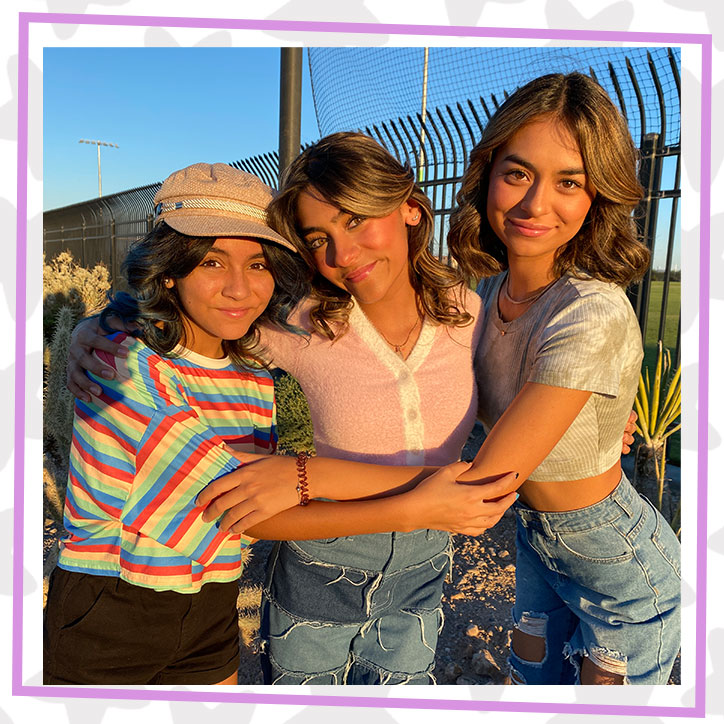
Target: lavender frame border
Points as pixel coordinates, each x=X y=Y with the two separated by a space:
x=705 y=41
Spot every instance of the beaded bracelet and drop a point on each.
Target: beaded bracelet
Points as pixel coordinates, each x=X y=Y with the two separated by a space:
x=302 y=483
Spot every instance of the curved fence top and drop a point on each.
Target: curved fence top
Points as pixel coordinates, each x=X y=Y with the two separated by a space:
x=380 y=90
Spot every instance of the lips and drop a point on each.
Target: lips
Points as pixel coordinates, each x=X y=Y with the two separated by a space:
x=360 y=273
x=235 y=313
x=527 y=228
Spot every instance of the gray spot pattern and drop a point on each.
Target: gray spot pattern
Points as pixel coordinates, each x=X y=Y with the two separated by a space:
x=65 y=30
x=563 y=14
x=714 y=12
x=160 y=37
x=353 y=11
x=6 y=570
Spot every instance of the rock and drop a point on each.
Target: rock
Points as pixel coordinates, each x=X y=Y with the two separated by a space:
x=457 y=596
x=504 y=554
x=452 y=671
x=472 y=630
x=484 y=664
x=467 y=680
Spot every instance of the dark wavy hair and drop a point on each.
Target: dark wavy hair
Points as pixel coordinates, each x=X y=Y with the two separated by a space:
x=353 y=172
x=607 y=246
x=157 y=310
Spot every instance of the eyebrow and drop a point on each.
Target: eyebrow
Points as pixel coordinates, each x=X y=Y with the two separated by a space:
x=513 y=158
x=309 y=229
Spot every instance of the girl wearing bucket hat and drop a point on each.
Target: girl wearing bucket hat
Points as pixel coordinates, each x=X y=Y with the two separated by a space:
x=188 y=395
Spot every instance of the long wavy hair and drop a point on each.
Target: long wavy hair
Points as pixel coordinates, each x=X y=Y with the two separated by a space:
x=166 y=253
x=606 y=247
x=354 y=173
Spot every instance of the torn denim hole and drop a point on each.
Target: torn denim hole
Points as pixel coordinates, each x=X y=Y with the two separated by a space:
x=612 y=662
x=311 y=624
x=516 y=677
x=534 y=624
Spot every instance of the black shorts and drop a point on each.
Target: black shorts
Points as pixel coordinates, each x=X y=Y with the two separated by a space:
x=103 y=630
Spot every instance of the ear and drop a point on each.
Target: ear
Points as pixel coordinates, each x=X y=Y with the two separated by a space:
x=411 y=212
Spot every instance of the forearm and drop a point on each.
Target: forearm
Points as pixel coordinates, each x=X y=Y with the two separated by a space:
x=526 y=432
x=347 y=480
x=328 y=520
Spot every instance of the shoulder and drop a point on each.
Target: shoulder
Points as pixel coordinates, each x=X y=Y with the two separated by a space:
x=465 y=299
x=593 y=299
x=488 y=288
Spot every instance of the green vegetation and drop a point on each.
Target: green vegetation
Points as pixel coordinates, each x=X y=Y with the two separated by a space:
x=651 y=338
x=69 y=293
x=658 y=405
x=294 y=425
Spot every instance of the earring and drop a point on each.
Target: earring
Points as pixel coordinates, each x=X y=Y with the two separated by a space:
x=167 y=282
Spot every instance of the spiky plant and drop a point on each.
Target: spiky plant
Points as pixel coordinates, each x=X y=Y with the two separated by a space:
x=658 y=406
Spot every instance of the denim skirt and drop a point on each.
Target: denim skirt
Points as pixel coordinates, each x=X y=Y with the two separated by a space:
x=602 y=582
x=355 y=610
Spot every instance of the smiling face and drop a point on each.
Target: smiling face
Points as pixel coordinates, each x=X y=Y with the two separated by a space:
x=366 y=256
x=538 y=192
x=224 y=294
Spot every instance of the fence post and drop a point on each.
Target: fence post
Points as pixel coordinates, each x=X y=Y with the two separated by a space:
x=290 y=105
x=114 y=263
x=646 y=220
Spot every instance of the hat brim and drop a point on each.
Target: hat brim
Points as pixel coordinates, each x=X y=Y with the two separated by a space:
x=206 y=225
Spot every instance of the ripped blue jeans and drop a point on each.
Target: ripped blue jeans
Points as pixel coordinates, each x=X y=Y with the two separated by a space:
x=602 y=582
x=354 y=610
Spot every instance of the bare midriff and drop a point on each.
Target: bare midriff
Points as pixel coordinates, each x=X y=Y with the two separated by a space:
x=563 y=495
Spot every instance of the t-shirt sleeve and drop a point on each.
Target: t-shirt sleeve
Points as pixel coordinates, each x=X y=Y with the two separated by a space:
x=177 y=455
x=281 y=348
x=580 y=347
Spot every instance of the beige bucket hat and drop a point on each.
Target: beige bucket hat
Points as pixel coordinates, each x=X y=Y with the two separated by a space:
x=216 y=200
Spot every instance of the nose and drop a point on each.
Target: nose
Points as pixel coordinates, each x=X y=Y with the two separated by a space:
x=236 y=284
x=536 y=201
x=342 y=251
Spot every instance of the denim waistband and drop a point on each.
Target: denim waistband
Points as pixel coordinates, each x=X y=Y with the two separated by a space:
x=623 y=500
x=375 y=551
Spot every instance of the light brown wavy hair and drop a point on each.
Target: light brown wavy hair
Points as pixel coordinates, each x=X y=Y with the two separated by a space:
x=606 y=247
x=354 y=173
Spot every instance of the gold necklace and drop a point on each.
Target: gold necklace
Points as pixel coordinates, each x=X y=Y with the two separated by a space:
x=527 y=299
x=398 y=347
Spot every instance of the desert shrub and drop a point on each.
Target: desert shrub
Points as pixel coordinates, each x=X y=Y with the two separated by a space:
x=294 y=424
x=66 y=284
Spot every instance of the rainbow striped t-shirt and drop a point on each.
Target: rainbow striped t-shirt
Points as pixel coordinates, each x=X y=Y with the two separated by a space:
x=141 y=452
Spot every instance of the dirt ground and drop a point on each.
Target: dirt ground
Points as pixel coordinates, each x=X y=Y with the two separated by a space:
x=473 y=645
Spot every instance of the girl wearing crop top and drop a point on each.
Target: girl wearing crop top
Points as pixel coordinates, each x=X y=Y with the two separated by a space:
x=545 y=206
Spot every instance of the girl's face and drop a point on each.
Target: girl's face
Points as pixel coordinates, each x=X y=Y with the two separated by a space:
x=539 y=193
x=224 y=294
x=366 y=256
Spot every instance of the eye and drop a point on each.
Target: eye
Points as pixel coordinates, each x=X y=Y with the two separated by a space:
x=570 y=184
x=354 y=221
x=315 y=243
x=210 y=263
x=259 y=266
x=516 y=174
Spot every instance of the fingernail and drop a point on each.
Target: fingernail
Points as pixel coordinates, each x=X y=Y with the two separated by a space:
x=106 y=374
x=122 y=352
x=95 y=390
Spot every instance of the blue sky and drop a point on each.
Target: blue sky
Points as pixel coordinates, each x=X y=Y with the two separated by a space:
x=166 y=108
x=169 y=107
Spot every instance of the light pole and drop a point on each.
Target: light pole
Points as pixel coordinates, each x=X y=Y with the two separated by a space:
x=98 y=145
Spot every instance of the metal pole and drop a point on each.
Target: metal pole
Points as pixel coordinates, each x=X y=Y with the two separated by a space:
x=290 y=106
x=100 y=192
x=420 y=171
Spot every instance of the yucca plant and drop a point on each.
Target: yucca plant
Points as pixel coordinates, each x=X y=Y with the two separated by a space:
x=658 y=406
